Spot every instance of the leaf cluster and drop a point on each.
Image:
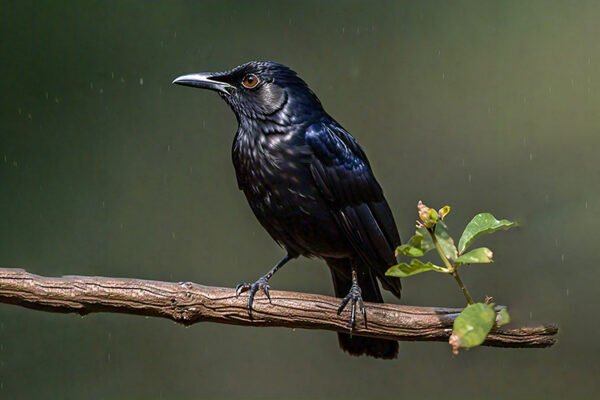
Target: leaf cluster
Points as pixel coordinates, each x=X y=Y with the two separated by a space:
x=474 y=323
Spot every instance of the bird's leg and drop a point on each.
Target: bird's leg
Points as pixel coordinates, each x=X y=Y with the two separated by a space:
x=262 y=283
x=355 y=295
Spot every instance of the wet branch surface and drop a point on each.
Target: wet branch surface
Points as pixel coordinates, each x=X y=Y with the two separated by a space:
x=188 y=303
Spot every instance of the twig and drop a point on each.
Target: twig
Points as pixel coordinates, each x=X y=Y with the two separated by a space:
x=453 y=270
x=188 y=303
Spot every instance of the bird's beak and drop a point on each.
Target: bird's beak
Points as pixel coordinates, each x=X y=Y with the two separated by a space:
x=204 y=80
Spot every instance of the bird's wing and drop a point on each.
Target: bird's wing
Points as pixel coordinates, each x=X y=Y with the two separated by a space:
x=342 y=172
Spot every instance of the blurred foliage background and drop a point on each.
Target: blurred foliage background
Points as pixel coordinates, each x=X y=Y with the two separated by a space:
x=108 y=169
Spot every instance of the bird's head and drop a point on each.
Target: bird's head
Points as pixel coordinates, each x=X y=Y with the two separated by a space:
x=259 y=90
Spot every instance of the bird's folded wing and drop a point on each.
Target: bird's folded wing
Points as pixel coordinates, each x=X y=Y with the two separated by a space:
x=342 y=172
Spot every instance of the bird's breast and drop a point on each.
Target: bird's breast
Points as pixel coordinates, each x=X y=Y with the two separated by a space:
x=273 y=168
x=274 y=174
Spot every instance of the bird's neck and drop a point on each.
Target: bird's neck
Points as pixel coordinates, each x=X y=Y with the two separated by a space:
x=256 y=127
x=281 y=123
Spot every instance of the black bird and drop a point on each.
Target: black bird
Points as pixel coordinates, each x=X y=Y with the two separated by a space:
x=310 y=185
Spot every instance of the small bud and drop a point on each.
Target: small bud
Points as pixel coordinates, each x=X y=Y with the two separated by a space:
x=428 y=215
x=444 y=211
x=454 y=341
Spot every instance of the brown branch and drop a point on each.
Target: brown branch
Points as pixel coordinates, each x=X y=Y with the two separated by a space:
x=188 y=303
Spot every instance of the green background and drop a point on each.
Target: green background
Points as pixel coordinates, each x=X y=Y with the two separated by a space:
x=108 y=169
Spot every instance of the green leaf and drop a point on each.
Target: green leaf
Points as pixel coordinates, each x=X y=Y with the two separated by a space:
x=403 y=270
x=418 y=245
x=445 y=241
x=480 y=224
x=504 y=317
x=477 y=256
x=421 y=243
x=472 y=326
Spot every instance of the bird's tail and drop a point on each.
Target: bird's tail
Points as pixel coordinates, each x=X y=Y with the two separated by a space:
x=342 y=281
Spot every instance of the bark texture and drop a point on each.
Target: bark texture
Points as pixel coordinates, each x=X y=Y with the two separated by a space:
x=188 y=303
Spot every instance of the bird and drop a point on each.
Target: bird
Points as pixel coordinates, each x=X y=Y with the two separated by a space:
x=312 y=188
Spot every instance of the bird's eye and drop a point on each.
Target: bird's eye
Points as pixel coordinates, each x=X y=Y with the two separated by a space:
x=250 y=81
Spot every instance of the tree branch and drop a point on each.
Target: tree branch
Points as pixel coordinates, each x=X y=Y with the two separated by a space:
x=188 y=303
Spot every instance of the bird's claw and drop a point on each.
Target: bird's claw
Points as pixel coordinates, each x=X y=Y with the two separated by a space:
x=262 y=283
x=355 y=295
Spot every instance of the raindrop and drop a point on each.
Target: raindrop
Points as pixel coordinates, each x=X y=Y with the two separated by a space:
x=112 y=75
x=530 y=156
x=562 y=258
x=530 y=314
x=101 y=90
x=122 y=80
x=91 y=85
x=29 y=115
x=470 y=178
x=443 y=75
x=168 y=147
x=56 y=100
x=173 y=235
x=15 y=164
x=343 y=30
x=46 y=94
x=567 y=291
x=141 y=81
x=586 y=203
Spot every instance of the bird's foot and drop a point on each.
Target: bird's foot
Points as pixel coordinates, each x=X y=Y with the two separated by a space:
x=262 y=283
x=355 y=295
